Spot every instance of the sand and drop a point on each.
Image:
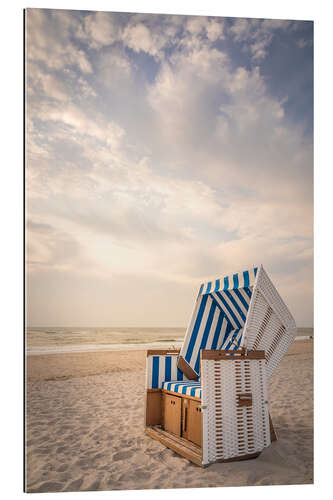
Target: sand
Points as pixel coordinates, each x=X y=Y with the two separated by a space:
x=85 y=427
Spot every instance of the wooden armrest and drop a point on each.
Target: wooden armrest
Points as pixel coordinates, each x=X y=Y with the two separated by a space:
x=239 y=354
x=162 y=352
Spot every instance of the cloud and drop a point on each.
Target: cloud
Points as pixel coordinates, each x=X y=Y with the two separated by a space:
x=99 y=29
x=256 y=35
x=49 y=40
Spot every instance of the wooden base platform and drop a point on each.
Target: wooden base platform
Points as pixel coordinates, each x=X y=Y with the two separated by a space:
x=185 y=448
x=182 y=446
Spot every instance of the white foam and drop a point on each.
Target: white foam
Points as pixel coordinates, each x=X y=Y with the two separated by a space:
x=103 y=347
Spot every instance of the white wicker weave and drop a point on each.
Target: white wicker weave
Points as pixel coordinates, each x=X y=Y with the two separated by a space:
x=230 y=430
x=269 y=324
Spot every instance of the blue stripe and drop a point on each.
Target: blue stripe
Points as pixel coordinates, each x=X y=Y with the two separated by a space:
x=195 y=331
x=226 y=334
x=241 y=298
x=246 y=279
x=226 y=283
x=155 y=374
x=255 y=271
x=217 y=285
x=248 y=292
x=205 y=335
x=177 y=387
x=236 y=284
x=228 y=309
x=217 y=331
x=209 y=286
x=167 y=368
x=180 y=375
x=223 y=312
x=201 y=288
x=192 y=391
x=238 y=309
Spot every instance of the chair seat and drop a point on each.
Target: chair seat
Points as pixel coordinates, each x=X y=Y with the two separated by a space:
x=190 y=388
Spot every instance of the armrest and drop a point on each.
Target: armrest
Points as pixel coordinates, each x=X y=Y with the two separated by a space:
x=161 y=352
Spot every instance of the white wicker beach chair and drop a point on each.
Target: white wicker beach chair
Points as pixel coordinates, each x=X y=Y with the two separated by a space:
x=209 y=401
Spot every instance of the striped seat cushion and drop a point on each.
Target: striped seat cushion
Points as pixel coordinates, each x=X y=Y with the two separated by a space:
x=189 y=388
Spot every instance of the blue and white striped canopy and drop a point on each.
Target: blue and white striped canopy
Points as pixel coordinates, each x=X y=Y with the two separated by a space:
x=219 y=316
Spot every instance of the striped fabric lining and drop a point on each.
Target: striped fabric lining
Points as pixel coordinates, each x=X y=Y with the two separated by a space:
x=188 y=388
x=232 y=342
x=243 y=279
x=162 y=368
x=220 y=310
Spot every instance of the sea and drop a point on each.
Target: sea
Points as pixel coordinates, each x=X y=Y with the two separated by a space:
x=48 y=340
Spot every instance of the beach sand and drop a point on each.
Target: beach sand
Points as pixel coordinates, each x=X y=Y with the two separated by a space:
x=85 y=431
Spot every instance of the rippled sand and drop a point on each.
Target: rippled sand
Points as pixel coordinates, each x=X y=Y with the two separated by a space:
x=85 y=428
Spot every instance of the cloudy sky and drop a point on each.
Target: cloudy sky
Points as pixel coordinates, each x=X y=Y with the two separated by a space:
x=163 y=151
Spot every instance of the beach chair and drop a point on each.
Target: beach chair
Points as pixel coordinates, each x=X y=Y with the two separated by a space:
x=209 y=401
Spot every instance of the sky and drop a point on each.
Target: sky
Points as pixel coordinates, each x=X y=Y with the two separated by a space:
x=161 y=152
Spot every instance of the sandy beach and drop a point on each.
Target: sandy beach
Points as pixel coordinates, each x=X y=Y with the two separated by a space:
x=85 y=431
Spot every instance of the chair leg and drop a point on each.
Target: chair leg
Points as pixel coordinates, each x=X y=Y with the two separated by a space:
x=272 y=430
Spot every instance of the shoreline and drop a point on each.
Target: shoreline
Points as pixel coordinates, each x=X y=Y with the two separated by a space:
x=44 y=350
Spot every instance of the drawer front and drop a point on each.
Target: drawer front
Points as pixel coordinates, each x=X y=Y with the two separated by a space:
x=194 y=422
x=172 y=414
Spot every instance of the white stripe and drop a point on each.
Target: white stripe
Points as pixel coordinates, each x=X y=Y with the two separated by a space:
x=239 y=302
x=189 y=330
x=174 y=367
x=161 y=371
x=230 y=318
x=223 y=330
x=213 y=328
x=240 y=280
x=245 y=295
x=234 y=310
x=252 y=276
x=197 y=343
x=148 y=373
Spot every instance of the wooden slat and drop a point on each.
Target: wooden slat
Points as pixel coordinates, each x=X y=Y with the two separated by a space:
x=272 y=430
x=175 y=445
x=187 y=369
x=236 y=355
x=180 y=395
x=162 y=352
x=183 y=441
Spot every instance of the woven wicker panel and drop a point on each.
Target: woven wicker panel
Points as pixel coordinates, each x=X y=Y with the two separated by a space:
x=231 y=430
x=269 y=325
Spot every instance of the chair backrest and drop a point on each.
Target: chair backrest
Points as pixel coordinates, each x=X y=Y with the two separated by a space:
x=241 y=310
